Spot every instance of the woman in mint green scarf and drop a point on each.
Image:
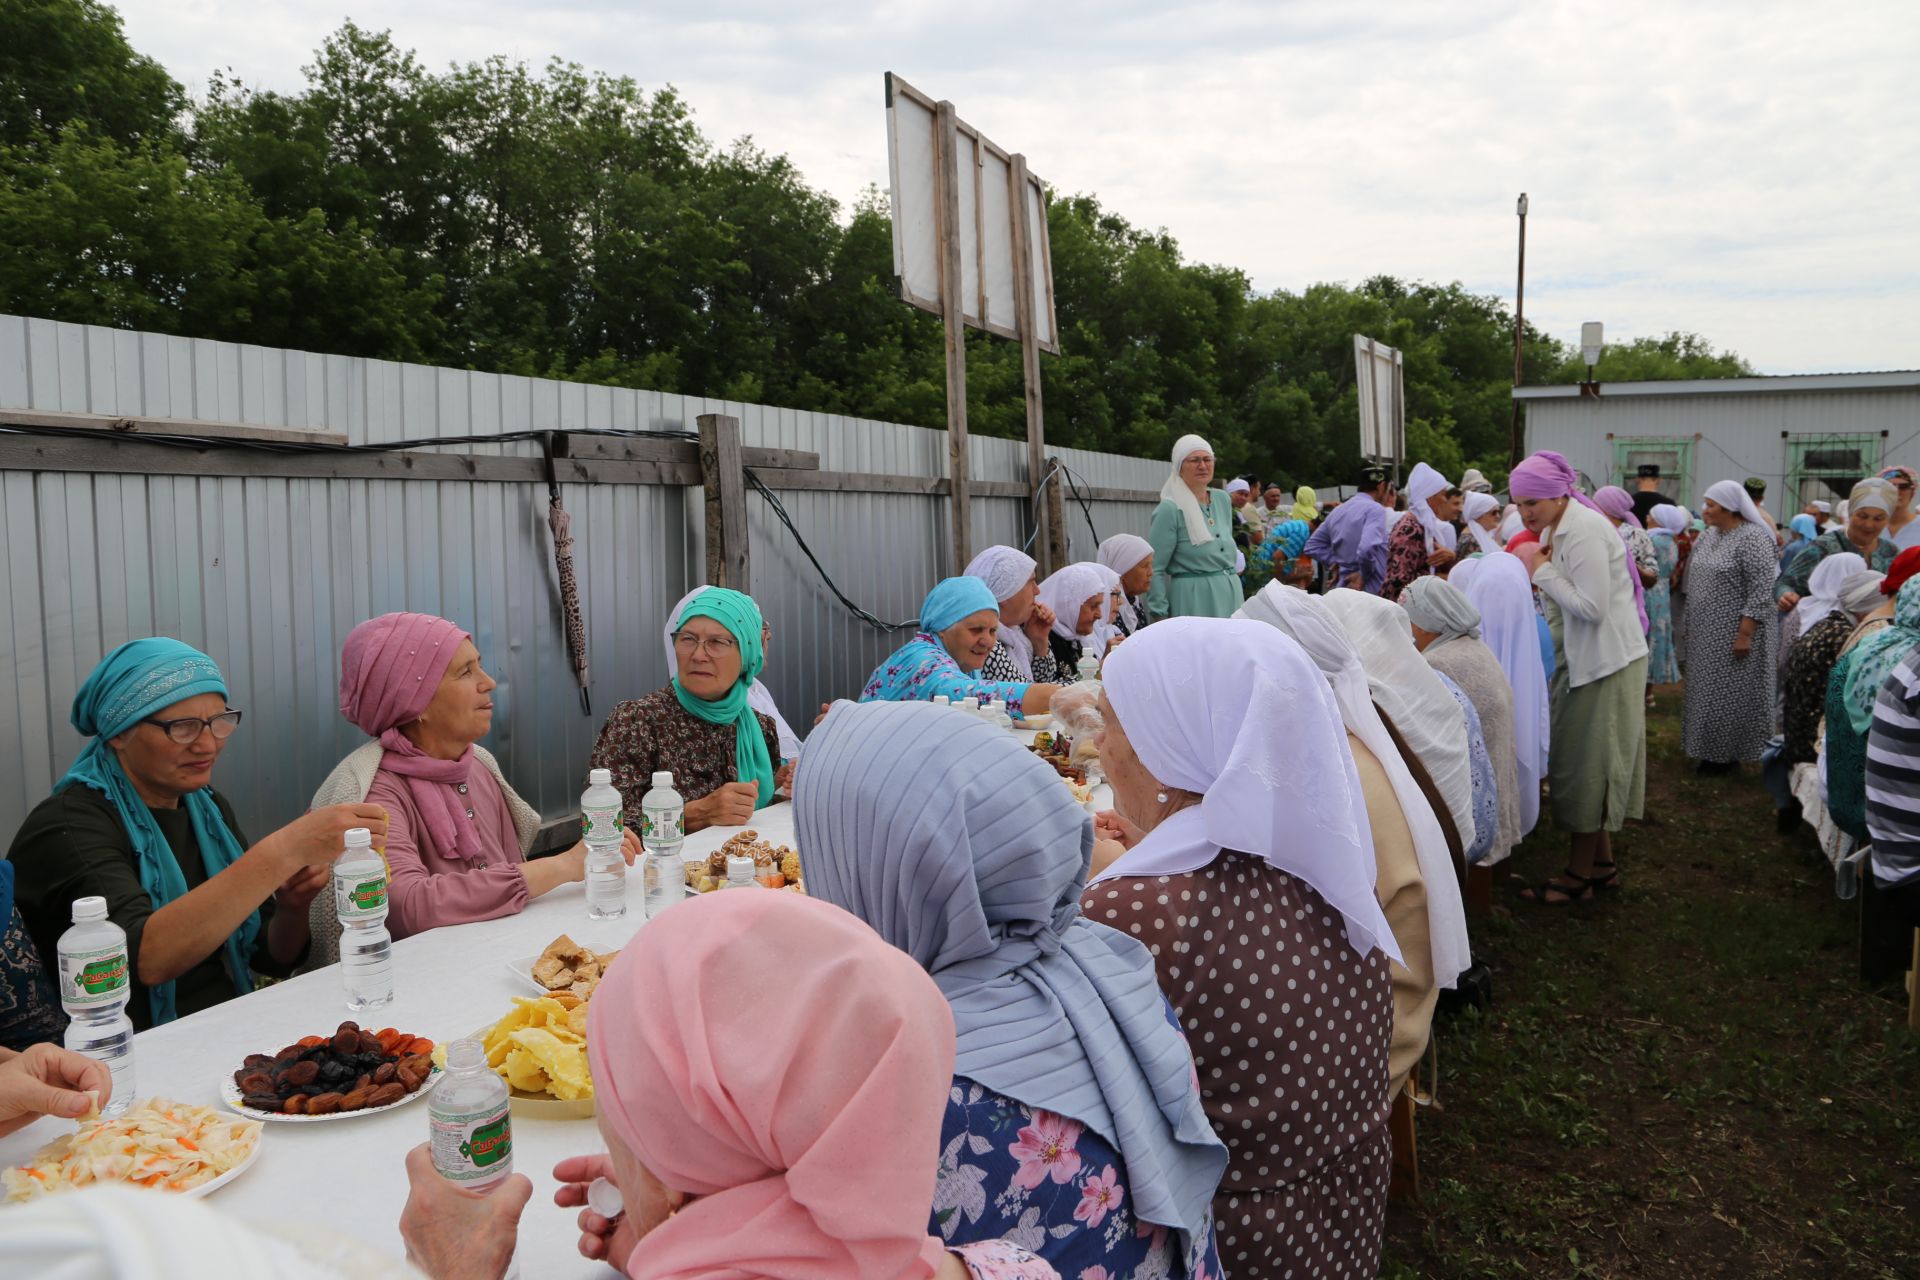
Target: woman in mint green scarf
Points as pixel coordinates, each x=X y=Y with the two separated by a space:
x=708 y=669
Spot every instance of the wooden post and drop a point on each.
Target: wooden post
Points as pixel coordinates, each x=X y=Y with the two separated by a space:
x=1056 y=507
x=724 y=474
x=1044 y=523
x=947 y=182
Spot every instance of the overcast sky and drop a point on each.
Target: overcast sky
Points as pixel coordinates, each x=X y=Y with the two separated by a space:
x=1749 y=171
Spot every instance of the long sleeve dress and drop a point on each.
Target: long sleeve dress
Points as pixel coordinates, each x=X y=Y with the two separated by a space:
x=1729 y=699
x=1193 y=580
x=1663 y=659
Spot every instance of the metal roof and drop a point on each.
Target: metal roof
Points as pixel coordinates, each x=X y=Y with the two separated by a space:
x=1893 y=379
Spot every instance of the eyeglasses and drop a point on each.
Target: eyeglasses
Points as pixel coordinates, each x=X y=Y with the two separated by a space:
x=186 y=730
x=715 y=646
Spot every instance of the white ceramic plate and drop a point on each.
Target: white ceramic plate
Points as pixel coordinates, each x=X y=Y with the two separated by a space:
x=1035 y=722
x=230 y=1094
x=208 y=1188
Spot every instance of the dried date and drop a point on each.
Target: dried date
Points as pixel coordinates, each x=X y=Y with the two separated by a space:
x=261 y=1101
x=355 y=1099
x=301 y=1073
x=387 y=1094
x=324 y=1105
x=296 y=1105
x=385 y=1073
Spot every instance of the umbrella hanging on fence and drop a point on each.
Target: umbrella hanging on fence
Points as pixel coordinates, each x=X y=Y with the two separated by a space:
x=562 y=525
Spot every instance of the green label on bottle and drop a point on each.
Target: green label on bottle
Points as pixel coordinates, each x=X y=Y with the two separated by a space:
x=474 y=1147
x=93 y=977
x=370 y=894
x=610 y=818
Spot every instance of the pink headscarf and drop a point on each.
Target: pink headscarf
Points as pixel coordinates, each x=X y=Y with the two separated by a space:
x=1616 y=503
x=390 y=668
x=769 y=1054
x=1547 y=475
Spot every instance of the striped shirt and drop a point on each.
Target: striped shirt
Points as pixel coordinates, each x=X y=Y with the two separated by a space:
x=1893 y=776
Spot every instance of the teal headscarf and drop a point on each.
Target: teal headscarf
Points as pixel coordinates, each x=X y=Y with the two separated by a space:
x=1874 y=658
x=130 y=684
x=953 y=599
x=741 y=616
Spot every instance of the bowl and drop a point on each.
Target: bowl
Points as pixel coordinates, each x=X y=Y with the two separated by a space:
x=1035 y=722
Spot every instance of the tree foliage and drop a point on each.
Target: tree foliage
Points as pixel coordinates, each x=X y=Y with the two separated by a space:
x=570 y=223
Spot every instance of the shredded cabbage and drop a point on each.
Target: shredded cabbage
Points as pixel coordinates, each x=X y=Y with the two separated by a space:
x=168 y=1145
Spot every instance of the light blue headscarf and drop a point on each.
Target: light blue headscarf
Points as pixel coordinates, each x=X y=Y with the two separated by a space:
x=976 y=872
x=130 y=684
x=953 y=599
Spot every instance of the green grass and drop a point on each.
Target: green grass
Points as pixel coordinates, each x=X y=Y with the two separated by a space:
x=1683 y=1079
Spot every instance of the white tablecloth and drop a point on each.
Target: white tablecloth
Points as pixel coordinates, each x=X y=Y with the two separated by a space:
x=450 y=982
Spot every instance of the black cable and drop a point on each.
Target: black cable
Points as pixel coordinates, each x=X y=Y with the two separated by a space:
x=182 y=440
x=780 y=510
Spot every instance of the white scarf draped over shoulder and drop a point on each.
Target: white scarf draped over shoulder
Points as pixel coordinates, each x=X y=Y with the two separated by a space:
x=1175 y=490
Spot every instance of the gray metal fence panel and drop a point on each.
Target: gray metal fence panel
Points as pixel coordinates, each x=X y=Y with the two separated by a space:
x=268 y=575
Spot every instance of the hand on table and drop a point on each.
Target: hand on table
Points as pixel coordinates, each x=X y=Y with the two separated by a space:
x=47 y=1080
x=1038 y=626
x=731 y=805
x=1109 y=825
x=602 y=1240
x=456 y=1234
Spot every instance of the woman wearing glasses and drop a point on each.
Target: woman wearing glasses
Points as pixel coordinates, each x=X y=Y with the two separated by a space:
x=702 y=726
x=137 y=822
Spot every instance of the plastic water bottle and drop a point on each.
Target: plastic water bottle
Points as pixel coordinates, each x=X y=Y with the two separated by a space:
x=1088 y=667
x=942 y=700
x=1000 y=716
x=468 y=1118
x=606 y=865
x=94 y=987
x=740 y=874
x=970 y=705
x=360 y=901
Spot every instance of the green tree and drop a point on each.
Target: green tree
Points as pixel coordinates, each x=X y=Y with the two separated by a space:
x=67 y=63
x=1673 y=356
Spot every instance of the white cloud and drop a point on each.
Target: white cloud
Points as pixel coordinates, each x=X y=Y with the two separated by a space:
x=1750 y=171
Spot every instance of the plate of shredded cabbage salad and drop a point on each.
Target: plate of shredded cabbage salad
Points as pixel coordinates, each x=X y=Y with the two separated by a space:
x=170 y=1146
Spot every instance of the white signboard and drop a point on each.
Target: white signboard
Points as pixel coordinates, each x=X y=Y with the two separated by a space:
x=985 y=178
x=1377 y=375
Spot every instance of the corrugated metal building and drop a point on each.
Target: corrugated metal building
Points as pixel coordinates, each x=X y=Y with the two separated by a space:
x=1809 y=436
x=268 y=573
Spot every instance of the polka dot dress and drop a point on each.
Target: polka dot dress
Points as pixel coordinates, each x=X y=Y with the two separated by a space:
x=1290 y=1029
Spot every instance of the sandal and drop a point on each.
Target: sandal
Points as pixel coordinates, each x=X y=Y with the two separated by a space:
x=1582 y=890
x=1605 y=877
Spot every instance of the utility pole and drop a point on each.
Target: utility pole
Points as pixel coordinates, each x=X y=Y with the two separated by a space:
x=1519 y=446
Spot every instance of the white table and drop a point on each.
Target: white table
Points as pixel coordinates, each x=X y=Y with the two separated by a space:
x=448 y=983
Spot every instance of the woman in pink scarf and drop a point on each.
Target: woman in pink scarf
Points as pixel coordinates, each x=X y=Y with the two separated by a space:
x=771 y=1079
x=415 y=683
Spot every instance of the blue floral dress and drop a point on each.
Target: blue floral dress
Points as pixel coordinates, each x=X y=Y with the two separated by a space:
x=1486 y=787
x=922 y=670
x=1052 y=1186
x=1663 y=660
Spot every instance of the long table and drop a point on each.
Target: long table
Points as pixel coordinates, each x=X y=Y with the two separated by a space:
x=448 y=983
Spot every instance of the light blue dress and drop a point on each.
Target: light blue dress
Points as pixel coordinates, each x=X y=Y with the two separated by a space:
x=1663 y=659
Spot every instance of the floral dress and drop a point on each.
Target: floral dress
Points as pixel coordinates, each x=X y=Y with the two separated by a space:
x=654 y=732
x=1663 y=658
x=1050 y=1185
x=922 y=670
x=1809 y=666
x=1486 y=789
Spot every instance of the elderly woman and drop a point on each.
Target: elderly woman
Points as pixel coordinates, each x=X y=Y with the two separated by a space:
x=1851 y=691
x=1020 y=655
x=1730 y=662
x=1502 y=594
x=1073 y=1115
x=1598 y=758
x=1192 y=540
x=1446 y=631
x=1481 y=512
x=1424 y=540
x=1240 y=885
x=1410 y=848
x=1616 y=504
x=1422 y=710
x=1130 y=556
x=1282 y=554
x=458 y=834
x=959 y=627
x=759 y=697
x=1306 y=504
x=738 y=1146
x=1854 y=594
x=136 y=821
x=1080 y=598
x=1668 y=522
x=702 y=726
x=1901 y=530
x=1801 y=531
x=1868 y=509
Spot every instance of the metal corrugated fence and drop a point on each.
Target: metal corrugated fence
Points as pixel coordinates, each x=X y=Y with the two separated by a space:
x=268 y=575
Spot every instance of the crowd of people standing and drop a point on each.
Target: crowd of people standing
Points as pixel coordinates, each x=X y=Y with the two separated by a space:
x=1164 y=1038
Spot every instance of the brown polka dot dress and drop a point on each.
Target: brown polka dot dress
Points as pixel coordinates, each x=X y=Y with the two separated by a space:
x=1290 y=1029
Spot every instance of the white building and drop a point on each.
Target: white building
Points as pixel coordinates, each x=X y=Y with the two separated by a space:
x=1808 y=436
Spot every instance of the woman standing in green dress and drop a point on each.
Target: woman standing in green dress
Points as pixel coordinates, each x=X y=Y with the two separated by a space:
x=1192 y=538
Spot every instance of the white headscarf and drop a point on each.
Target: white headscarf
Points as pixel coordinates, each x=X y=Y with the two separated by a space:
x=1733 y=495
x=1823 y=588
x=1175 y=491
x=1421 y=485
x=1860 y=594
x=1873 y=492
x=1462 y=572
x=1510 y=524
x=1237 y=485
x=1479 y=504
x=1437 y=605
x=1104 y=627
x=1305 y=618
x=1503 y=593
x=1005 y=570
x=1667 y=518
x=1065 y=590
x=1406 y=688
x=1122 y=553
x=759 y=697
x=1473 y=482
x=1257 y=734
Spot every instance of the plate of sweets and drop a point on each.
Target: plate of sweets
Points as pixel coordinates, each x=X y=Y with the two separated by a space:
x=341 y=1076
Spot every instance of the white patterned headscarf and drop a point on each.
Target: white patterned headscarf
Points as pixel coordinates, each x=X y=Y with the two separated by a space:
x=1005 y=570
x=1306 y=619
x=1175 y=491
x=1424 y=483
x=1065 y=590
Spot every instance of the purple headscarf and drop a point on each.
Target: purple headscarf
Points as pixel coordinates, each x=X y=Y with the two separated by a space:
x=1547 y=475
x=1617 y=503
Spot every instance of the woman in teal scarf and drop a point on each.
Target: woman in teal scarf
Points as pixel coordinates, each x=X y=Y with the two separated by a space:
x=724 y=756
x=958 y=627
x=137 y=822
x=1851 y=691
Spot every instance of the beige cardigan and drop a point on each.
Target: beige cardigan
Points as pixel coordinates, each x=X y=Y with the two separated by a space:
x=1587 y=580
x=349 y=783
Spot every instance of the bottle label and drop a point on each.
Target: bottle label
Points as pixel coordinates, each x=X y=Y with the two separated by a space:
x=474 y=1146
x=93 y=977
x=360 y=896
x=662 y=826
x=596 y=821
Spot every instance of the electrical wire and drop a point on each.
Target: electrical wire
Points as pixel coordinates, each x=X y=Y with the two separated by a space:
x=759 y=486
